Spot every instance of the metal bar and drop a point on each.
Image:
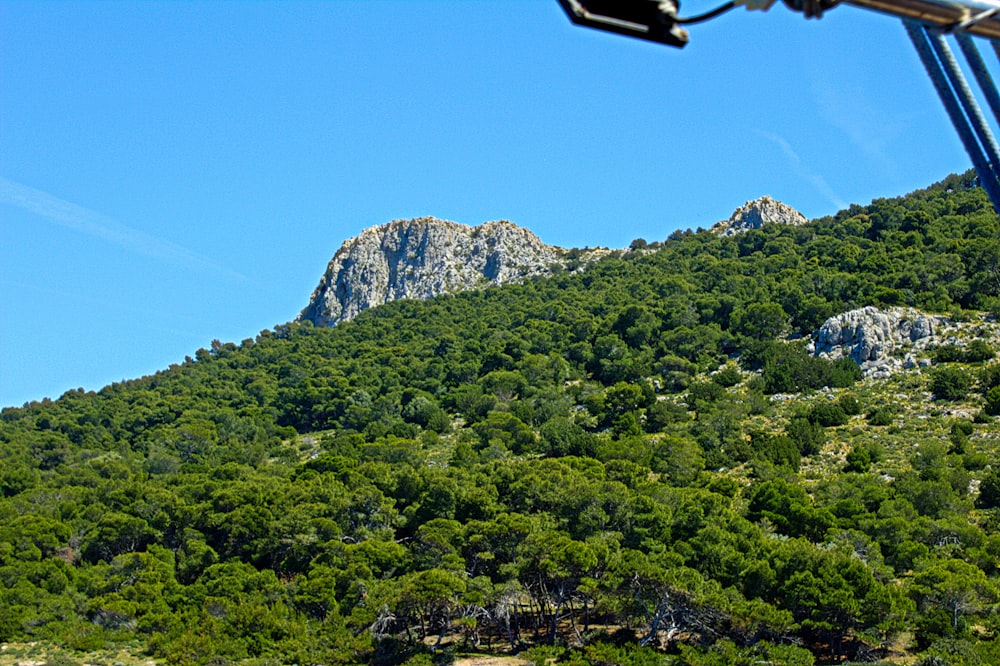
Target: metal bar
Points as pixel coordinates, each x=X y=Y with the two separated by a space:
x=918 y=35
x=944 y=15
x=982 y=74
x=961 y=90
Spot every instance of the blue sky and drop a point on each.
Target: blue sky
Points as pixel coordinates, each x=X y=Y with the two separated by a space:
x=177 y=172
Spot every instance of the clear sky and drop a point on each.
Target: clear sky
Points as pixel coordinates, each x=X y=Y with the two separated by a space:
x=177 y=172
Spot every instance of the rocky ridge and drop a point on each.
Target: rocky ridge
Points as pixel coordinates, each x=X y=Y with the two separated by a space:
x=427 y=257
x=423 y=258
x=755 y=214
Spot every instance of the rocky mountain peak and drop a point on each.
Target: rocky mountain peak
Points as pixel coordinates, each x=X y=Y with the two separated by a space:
x=422 y=258
x=755 y=214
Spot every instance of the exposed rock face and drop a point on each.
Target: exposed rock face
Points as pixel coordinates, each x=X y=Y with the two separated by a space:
x=870 y=333
x=755 y=214
x=870 y=336
x=423 y=258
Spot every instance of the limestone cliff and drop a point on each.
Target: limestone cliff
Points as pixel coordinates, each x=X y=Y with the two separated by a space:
x=885 y=341
x=423 y=258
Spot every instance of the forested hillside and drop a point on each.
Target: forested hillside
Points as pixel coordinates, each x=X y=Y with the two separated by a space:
x=638 y=463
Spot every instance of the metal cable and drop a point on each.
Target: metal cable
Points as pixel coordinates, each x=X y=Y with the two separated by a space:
x=707 y=16
x=978 y=67
x=918 y=34
x=966 y=98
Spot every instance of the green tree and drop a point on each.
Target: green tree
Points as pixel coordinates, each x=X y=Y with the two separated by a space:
x=828 y=415
x=560 y=436
x=761 y=321
x=115 y=534
x=431 y=596
x=950 y=383
x=989 y=490
x=955 y=586
x=992 y=406
x=506 y=429
x=680 y=459
x=788 y=508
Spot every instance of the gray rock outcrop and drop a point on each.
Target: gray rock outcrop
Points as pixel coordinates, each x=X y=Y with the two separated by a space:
x=871 y=337
x=423 y=258
x=755 y=214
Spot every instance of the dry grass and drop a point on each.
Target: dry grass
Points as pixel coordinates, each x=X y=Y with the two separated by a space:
x=41 y=653
x=489 y=660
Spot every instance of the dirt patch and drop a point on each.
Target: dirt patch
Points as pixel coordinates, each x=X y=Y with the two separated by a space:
x=485 y=660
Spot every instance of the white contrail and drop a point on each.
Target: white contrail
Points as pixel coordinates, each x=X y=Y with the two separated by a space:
x=869 y=128
x=817 y=180
x=86 y=221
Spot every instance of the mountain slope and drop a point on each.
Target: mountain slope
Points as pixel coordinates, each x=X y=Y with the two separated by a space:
x=646 y=443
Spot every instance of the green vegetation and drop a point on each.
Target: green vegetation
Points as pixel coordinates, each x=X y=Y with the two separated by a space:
x=590 y=468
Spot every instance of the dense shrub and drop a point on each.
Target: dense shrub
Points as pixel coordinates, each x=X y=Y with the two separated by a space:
x=880 y=416
x=828 y=415
x=989 y=490
x=992 y=406
x=950 y=383
x=807 y=435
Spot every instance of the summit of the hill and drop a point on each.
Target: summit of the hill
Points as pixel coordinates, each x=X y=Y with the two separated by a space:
x=423 y=258
x=755 y=214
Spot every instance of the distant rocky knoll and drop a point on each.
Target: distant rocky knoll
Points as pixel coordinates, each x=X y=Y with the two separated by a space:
x=885 y=341
x=755 y=214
